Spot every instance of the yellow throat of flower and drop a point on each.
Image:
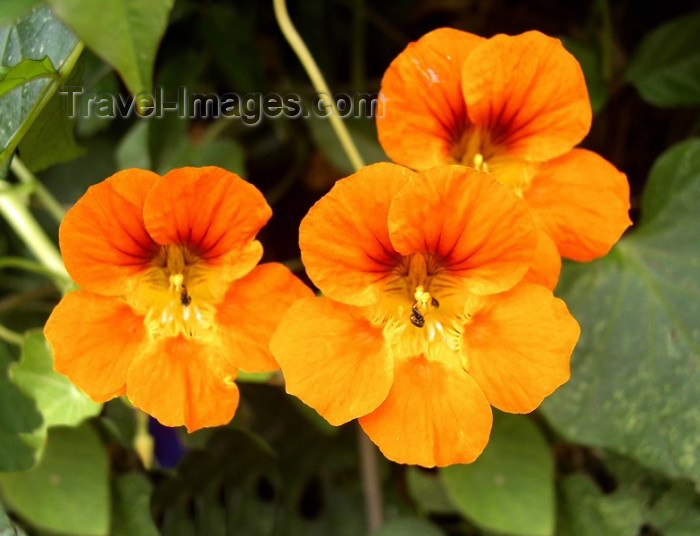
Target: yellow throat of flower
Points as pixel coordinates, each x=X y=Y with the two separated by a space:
x=176 y=296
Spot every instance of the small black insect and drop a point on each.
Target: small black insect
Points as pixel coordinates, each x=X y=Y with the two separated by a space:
x=185 y=299
x=434 y=302
x=416 y=317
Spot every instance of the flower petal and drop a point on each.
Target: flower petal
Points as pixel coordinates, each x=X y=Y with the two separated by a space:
x=582 y=201
x=94 y=341
x=181 y=381
x=546 y=264
x=518 y=345
x=529 y=93
x=432 y=416
x=251 y=311
x=332 y=358
x=421 y=109
x=103 y=239
x=483 y=231
x=344 y=238
x=210 y=209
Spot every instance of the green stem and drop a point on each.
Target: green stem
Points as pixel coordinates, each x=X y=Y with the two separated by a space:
x=43 y=195
x=317 y=80
x=370 y=482
x=21 y=263
x=22 y=221
x=10 y=336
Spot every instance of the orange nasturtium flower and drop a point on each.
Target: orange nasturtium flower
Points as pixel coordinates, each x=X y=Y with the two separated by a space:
x=172 y=303
x=425 y=323
x=514 y=106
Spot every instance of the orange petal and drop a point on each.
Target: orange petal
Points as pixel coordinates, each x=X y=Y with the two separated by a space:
x=421 y=108
x=582 y=201
x=94 y=341
x=344 y=238
x=482 y=230
x=210 y=209
x=251 y=311
x=432 y=416
x=103 y=239
x=518 y=345
x=546 y=264
x=181 y=381
x=332 y=358
x=529 y=93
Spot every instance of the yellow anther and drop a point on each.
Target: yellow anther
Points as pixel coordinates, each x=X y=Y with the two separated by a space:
x=176 y=281
x=421 y=296
x=479 y=163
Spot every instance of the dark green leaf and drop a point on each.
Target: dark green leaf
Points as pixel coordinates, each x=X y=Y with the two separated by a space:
x=131 y=513
x=59 y=401
x=125 y=33
x=510 y=487
x=25 y=71
x=37 y=36
x=585 y=511
x=635 y=383
x=50 y=140
x=19 y=417
x=428 y=491
x=592 y=71
x=665 y=68
x=67 y=491
x=363 y=133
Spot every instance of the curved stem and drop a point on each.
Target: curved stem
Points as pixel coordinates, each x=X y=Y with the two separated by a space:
x=317 y=80
x=10 y=336
x=21 y=220
x=21 y=263
x=27 y=177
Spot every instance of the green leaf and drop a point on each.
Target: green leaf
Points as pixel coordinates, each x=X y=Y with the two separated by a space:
x=362 y=131
x=510 y=487
x=59 y=401
x=25 y=71
x=592 y=71
x=635 y=382
x=68 y=490
x=585 y=511
x=50 y=140
x=37 y=36
x=125 y=33
x=428 y=491
x=18 y=418
x=408 y=526
x=132 y=150
x=13 y=10
x=665 y=68
x=131 y=513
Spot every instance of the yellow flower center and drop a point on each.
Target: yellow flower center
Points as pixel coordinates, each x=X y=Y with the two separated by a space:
x=476 y=149
x=175 y=295
x=422 y=311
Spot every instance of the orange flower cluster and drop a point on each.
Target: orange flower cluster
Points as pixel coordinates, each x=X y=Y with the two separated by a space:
x=438 y=281
x=172 y=303
x=436 y=277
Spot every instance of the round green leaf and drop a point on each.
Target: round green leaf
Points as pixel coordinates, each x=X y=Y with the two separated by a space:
x=510 y=487
x=59 y=401
x=635 y=382
x=665 y=68
x=68 y=490
x=132 y=513
x=125 y=33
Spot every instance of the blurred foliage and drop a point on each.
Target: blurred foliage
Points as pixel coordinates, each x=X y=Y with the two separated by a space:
x=614 y=451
